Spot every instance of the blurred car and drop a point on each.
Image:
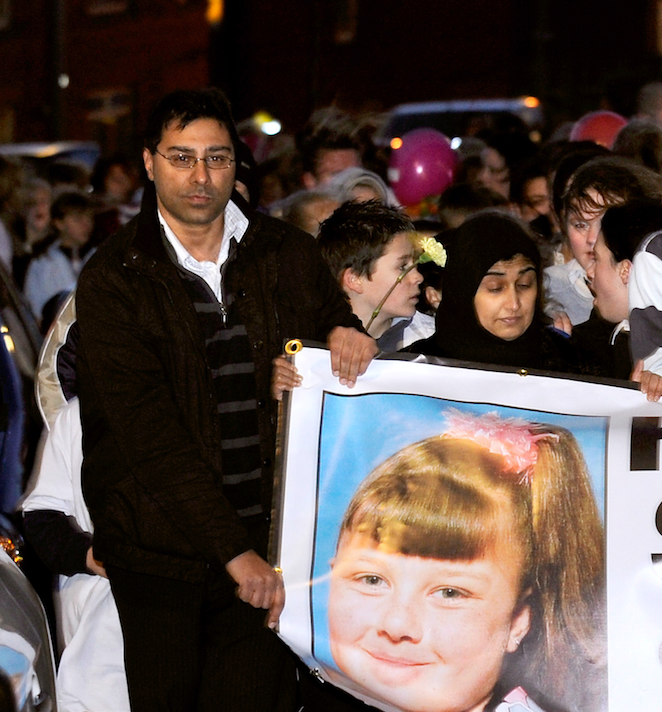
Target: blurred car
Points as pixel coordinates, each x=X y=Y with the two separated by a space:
x=26 y=652
x=61 y=163
x=458 y=118
x=83 y=152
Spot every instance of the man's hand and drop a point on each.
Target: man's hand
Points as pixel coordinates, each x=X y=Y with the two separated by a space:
x=258 y=584
x=351 y=353
x=649 y=383
x=94 y=566
x=284 y=377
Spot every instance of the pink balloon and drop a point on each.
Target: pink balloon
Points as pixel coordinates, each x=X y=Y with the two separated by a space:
x=424 y=165
x=601 y=127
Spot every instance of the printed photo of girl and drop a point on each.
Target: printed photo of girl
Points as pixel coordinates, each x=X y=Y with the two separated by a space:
x=468 y=574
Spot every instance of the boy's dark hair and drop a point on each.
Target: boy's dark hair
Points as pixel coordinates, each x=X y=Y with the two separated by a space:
x=625 y=226
x=616 y=180
x=71 y=202
x=185 y=106
x=356 y=235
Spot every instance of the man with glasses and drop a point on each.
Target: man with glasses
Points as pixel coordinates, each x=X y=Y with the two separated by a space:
x=180 y=315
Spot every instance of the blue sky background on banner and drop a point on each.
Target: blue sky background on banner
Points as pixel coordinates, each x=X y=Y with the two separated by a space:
x=360 y=432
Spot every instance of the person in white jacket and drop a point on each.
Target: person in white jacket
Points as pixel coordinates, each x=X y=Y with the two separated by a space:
x=91 y=676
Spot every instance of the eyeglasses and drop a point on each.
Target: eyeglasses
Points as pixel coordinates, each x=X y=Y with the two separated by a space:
x=185 y=160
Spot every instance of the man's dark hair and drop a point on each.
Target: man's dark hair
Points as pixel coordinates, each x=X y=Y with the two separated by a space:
x=185 y=106
x=625 y=226
x=356 y=236
x=616 y=180
x=328 y=129
x=71 y=202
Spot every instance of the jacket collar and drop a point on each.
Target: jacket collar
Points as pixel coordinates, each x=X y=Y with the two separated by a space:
x=147 y=248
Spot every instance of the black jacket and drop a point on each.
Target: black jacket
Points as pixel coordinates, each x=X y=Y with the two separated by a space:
x=151 y=439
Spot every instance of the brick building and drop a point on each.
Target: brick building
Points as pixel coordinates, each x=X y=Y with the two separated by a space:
x=90 y=69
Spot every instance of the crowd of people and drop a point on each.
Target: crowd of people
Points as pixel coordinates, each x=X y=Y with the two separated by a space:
x=157 y=472
x=53 y=216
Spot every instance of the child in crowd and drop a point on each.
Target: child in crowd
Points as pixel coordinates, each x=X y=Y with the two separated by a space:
x=307 y=209
x=368 y=247
x=32 y=225
x=469 y=564
x=55 y=271
x=596 y=186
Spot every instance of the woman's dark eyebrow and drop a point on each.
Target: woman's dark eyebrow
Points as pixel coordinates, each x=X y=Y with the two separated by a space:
x=494 y=273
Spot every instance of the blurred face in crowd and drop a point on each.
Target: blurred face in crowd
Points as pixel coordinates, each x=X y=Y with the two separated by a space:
x=609 y=283
x=583 y=228
x=75 y=228
x=118 y=184
x=329 y=162
x=38 y=213
x=313 y=214
x=505 y=300
x=495 y=173
x=536 y=199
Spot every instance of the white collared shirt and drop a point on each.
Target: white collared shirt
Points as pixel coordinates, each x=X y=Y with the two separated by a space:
x=577 y=277
x=235 y=225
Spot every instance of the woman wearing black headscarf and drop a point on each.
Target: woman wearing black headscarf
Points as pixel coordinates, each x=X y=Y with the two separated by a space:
x=491 y=309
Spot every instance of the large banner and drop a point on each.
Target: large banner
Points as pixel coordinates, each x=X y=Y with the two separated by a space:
x=461 y=539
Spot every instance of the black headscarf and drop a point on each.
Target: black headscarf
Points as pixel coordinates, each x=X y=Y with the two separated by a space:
x=477 y=245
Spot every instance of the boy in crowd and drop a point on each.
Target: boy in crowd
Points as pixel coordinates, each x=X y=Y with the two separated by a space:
x=55 y=271
x=368 y=248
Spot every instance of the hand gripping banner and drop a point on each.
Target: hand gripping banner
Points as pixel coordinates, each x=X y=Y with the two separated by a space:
x=453 y=538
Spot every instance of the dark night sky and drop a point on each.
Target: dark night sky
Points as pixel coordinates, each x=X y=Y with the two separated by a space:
x=576 y=54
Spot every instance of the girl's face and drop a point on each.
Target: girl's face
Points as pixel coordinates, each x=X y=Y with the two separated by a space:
x=494 y=174
x=505 y=300
x=536 y=199
x=425 y=635
x=583 y=228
